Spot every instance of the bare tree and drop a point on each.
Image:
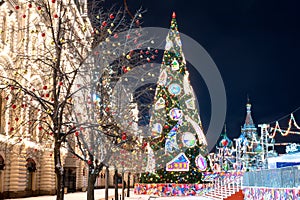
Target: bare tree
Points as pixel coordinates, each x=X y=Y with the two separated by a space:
x=105 y=129
x=43 y=83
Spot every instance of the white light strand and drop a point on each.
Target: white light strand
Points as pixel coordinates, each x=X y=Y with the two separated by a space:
x=277 y=128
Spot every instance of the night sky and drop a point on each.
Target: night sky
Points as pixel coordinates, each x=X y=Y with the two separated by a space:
x=255 y=45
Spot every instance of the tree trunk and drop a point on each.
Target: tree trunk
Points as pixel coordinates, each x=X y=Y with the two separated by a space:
x=91 y=186
x=116 y=184
x=106 y=182
x=128 y=184
x=59 y=172
x=123 y=186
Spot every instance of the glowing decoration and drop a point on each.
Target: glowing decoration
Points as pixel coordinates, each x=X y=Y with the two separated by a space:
x=190 y=104
x=151 y=160
x=188 y=139
x=168 y=44
x=200 y=134
x=186 y=84
x=175 y=114
x=156 y=129
x=163 y=78
x=277 y=128
x=171 y=141
x=178 y=41
x=160 y=103
x=178 y=164
x=292 y=148
x=174 y=88
x=201 y=162
x=175 y=65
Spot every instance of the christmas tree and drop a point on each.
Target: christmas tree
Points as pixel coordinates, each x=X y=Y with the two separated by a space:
x=178 y=142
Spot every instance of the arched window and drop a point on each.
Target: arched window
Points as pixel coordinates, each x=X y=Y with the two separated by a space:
x=31 y=168
x=1 y=163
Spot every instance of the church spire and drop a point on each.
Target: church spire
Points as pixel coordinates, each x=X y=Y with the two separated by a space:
x=249 y=120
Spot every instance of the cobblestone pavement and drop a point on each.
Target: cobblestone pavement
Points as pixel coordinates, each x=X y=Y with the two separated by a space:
x=100 y=194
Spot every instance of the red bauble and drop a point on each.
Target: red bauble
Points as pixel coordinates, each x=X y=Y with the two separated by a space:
x=55 y=16
x=40 y=128
x=50 y=155
x=30 y=5
x=124 y=136
x=24 y=16
x=104 y=23
x=111 y=16
x=43 y=34
x=116 y=35
x=53 y=1
x=166 y=126
x=107 y=109
x=60 y=83
x=45 y=87
x=39 y=7
x=137 y=22
x=77 y=133
x=17 y=119
x=89 y=162
x=224 y=142
x=47 y=95
x=14 y=106
x=17 y=7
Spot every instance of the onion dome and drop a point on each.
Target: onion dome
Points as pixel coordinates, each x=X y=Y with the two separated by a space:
x=225 y=141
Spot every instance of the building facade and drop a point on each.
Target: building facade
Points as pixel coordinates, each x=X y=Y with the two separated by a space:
x=27 y=164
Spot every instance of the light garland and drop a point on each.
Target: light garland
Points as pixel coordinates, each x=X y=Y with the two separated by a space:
x=277 y=128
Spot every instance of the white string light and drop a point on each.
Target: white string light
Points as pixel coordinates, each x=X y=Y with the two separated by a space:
x=277 y=128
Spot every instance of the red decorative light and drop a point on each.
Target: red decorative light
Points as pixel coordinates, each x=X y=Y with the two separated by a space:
x=124 y=136
x=224 y=142
x=174 y=15
x=111 y=16
x=104 y=23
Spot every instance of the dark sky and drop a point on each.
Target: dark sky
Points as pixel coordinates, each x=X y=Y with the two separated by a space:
x=255 y=45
